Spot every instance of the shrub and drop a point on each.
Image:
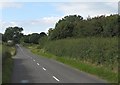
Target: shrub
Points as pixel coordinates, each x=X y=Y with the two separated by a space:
x=99 y=51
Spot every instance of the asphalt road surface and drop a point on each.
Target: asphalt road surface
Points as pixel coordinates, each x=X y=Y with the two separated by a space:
x=29 y=68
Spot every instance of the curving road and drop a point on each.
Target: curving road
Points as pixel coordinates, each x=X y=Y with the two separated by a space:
x=28 y=68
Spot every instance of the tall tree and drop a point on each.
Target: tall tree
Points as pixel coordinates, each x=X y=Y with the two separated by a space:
x=65 y=26
x=13 y=33
x=76 y=26
x=43 y=34
x=34 y=38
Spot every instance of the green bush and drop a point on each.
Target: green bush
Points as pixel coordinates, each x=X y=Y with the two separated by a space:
x=7 y=63
x=5 y=53
x=98 y=51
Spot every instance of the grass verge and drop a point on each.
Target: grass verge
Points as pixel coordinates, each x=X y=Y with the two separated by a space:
x=7 y=70
x=0 y=63
x=7 y=63
x=101 y=72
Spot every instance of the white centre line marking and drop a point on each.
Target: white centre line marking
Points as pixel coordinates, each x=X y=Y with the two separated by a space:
x=24 y=81
x=38 y=64
x=44 y=69
x=56 y=78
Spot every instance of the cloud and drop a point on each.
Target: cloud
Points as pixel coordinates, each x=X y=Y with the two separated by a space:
x=93 y=0
x=4 y=25
x=62 y=0
x=43 y=24
x=119 y=8
x=8 y=4
x=87 y=8
x=45 y=20
x=26 y=32
x=30 y=26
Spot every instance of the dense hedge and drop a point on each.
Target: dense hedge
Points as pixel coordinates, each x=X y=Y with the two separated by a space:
x=7 y=63
x=5 y=53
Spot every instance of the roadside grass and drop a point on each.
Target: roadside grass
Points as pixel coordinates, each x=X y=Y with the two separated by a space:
x=95 y=50
x=0 y=63
x=7 y=70
x=102 y=72
x=7 y=62
x=0 y=48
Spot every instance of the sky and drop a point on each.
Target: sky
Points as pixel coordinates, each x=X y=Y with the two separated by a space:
x=39 y=16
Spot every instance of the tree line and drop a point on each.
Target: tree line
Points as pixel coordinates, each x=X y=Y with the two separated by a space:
x=75 y=26
x=72 y=26
x=15 y=34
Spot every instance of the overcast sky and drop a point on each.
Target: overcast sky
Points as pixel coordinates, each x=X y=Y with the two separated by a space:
x=40 y=16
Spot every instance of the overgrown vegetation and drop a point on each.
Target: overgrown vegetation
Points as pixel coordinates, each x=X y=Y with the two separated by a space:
x=98 y=51
x=77 y=27
x=7 y=62
x=74 y=26
x=0 y=63
x=96 y=55
x=78 y=42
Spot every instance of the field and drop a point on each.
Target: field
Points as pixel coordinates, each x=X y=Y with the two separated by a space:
x=97 y=56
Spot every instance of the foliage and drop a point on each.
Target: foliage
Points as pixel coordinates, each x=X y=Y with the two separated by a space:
x=65 y=27
x=7 y=63
x=98 y=51
x=102 y=72
x=42 y=41
x=5 y=53
x=33 y=38
x=76 y=26
x=13 y=33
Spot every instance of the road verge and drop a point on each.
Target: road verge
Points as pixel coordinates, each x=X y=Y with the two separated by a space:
x=101 y=72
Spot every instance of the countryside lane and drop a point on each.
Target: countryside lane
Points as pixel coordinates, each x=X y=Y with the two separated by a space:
x=29 y=68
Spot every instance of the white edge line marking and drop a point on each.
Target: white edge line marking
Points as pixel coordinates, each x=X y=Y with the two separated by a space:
x=44 y=69
x=56 y=78
x=38 y=64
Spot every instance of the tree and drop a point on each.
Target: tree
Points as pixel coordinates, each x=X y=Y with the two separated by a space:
x=26 y=38
x=13 y=33
x=65 y=26
x=34 y=38
x=43 y=34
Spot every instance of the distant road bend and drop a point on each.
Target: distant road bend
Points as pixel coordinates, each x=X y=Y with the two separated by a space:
x=28 y=68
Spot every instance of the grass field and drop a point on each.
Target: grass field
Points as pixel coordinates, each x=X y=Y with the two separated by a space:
x=96 y=56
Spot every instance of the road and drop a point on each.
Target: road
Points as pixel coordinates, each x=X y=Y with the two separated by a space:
x=29 y=68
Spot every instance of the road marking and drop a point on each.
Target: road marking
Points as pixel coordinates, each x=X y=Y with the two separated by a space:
x=38 y=64
x=33 y=60
x=21 y=49
x=24 y=81
x=56 y=78
x=44 y=69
